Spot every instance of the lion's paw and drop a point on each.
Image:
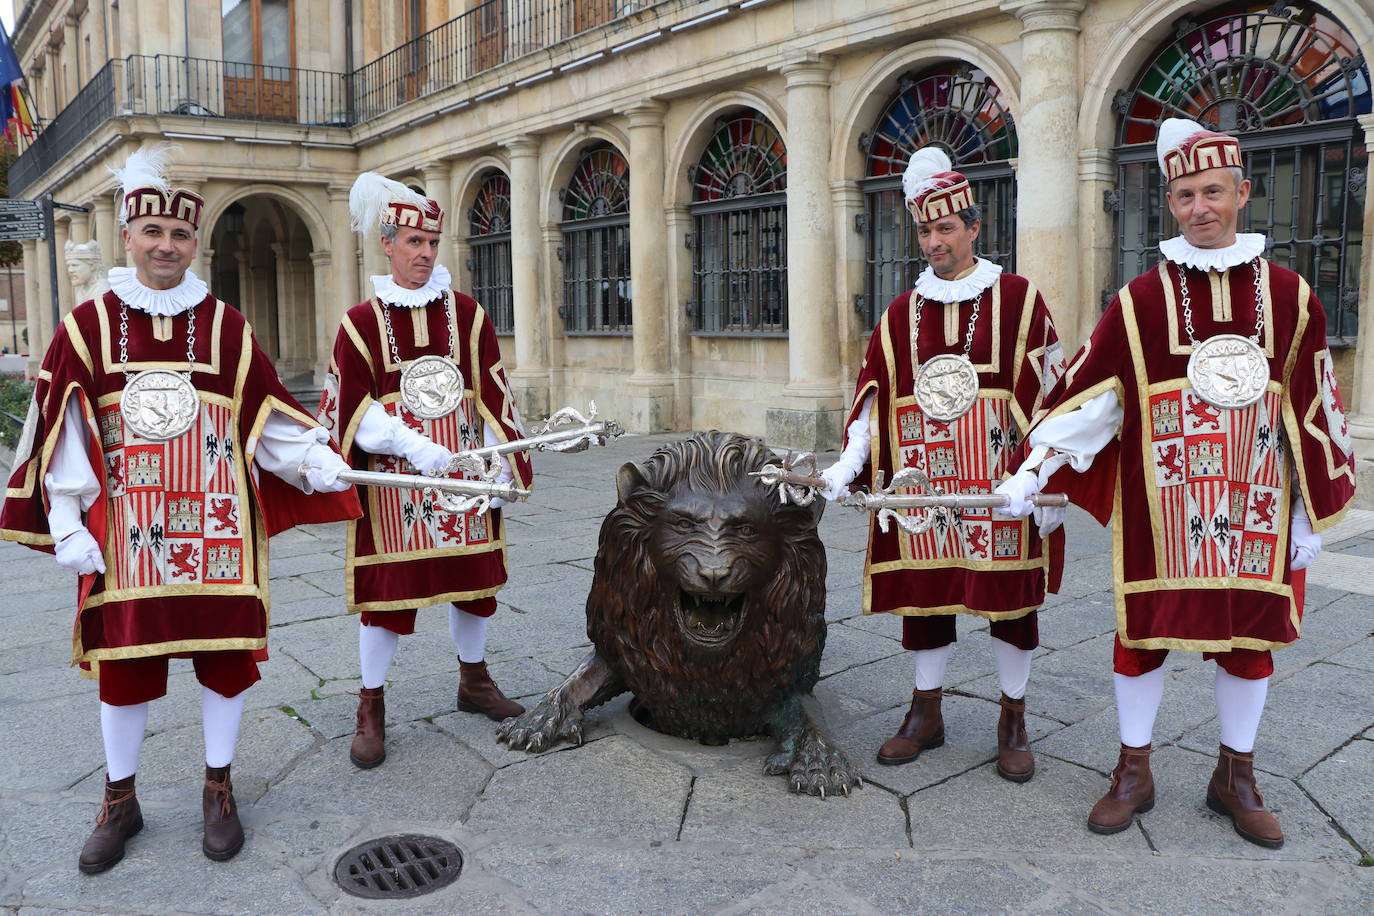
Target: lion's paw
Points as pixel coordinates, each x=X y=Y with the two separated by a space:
x=814 y=766
x=542 y=726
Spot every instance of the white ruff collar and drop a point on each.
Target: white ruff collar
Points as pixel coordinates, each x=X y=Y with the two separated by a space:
x=394 y=294
x=984 y=274
x=187 y=294
x=1247 y=247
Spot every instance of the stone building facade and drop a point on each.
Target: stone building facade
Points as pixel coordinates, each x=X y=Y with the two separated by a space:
x=687 y=210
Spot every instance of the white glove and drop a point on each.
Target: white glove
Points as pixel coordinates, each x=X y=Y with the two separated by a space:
x=837 y=478
x=1304 y=544
x=1019 y=487
x=1049 y=518
x=80 y=552
x=428 y=456
x=323 y=473
x=503 y=478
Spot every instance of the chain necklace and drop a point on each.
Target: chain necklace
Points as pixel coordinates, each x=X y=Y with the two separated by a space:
x=158 y=404
x=946 y=385
x=431 y=386
x=1227 y=370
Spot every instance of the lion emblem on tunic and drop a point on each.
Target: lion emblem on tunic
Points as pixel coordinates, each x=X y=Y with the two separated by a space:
x=708 y=604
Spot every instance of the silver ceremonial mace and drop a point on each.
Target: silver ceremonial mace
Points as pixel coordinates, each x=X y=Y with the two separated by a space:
x=566 y=430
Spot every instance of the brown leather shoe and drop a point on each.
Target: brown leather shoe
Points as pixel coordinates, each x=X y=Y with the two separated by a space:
x=1132 y=792
x=923 y=728
x=477 y=692
x=1233 y=792
x=223 y=832
x=1015 y=762
x=369 y=741
x=119 y=819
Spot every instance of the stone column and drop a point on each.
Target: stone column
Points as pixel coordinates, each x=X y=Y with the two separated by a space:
x=1047 y=228
x=651 y=385
x=200 y=264
x=33 y=308
x=61 y=233
x=1096 y=246
x=435 y=175
x=40 y=305
x=343 y=291
x=322 y=330
x=810 y=415
x=1360 y=401
x=847 y=200
x=530 y=377
x=107 y=232
x=456 y=232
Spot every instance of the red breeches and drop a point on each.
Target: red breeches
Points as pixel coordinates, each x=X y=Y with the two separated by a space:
x=402 y=623
x=1251 y=664
x=936 y=630
x=129 y=681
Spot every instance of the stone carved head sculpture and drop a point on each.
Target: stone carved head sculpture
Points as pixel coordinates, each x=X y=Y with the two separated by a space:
x=86 y=270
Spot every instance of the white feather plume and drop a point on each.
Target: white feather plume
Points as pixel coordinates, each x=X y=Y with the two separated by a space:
x=145 y=167
x=1172 y=133
x=925 y=164
x=369 y=196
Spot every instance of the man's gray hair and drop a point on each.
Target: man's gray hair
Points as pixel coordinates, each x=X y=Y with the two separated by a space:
x=1237 y=173
x=388 y=231
x=971 y=215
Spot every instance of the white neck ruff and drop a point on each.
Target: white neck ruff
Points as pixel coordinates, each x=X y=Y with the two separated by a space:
x=187 y=294
x=984 y=274
x=392 y=293
x=1247 y=247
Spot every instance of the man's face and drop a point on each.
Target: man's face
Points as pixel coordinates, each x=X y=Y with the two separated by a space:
x=948 y=244
x=412 y=254
x=1207 y=206
x=160 y=249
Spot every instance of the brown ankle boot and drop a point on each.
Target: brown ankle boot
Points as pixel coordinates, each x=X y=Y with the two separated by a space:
x=1015 y=762
x=1233 y=792
x=223 y=832
x=119 y=819
x=369 y=741
x=477 y=692
x=923 y=727
x=1132 y=792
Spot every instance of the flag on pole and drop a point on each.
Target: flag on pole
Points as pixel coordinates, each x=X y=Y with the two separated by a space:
x=15 y=113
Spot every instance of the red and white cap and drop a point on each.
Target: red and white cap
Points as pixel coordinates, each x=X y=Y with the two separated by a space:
x=1185 y=147
x=376 y=200
x=932 y=188
x=147 y=192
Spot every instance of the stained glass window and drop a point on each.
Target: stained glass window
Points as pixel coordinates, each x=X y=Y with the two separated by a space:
x=739 y=229
x=960 y=109
x=1289 y=79
x=489 y=241
x=596 y=244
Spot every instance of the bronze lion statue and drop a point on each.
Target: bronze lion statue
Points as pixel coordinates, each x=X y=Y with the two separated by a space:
x=708 y=604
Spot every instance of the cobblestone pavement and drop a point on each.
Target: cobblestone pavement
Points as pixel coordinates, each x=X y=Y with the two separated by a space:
x=634 y=821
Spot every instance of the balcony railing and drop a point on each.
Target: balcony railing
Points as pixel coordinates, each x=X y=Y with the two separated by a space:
x=91 y=107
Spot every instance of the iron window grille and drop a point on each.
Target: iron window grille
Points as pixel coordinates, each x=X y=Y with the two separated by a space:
x=596 y=245
x=489 y=242
x=1289 y=80
x=739 y=230
x=959 y=109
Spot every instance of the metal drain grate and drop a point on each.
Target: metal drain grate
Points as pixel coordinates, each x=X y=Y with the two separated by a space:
x=398 y=866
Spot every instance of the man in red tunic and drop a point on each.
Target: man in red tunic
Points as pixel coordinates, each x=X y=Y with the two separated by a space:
x=1202 y=418
x=152 y=463
x=417 y=376
x=954 y=375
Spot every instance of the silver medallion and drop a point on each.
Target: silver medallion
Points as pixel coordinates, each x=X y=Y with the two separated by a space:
x=946 y=387
x=159 y=404
x=1228 y=371
x=432 y=387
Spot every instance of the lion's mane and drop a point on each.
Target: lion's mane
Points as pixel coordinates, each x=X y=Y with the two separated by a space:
x=777 y=651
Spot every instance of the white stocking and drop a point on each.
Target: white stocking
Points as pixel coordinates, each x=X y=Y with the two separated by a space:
x=1013 y=667
x=122 y=727
x=1240 y=703
x=376 y=649
x=469 y=633
x=219 y=722
x=930 y=666
x=1137 y=702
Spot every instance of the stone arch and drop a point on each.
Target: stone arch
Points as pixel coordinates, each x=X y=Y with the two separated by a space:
x=700 y=125
x=305 y=208
x=875 y=88
x=563 y=161
x=464 y=189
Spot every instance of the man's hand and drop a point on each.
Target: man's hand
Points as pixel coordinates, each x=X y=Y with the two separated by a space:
x=1019 y=488
x=1049 y=518
x=428 y=456
x=322 y=473
x=80 y=552
x=504 y=478
x=1304 y=544
x=837 y=478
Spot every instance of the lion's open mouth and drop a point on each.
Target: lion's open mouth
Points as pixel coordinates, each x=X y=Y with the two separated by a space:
x=710 y=620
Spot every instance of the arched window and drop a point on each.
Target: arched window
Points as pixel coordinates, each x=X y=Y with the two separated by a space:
x=1290 y=81
x=960 y=109
x=596 y=244
x=489 y=242
x=739 y=229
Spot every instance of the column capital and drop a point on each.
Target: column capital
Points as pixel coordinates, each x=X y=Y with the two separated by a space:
x=1367 y=122
x=808 y=69
x=319 y=258
x=523 y=145
x=1045 y=15
x=435 y=170
x=337 y=192
x=1096 y=165
x=646 y=113
x=102 y=203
